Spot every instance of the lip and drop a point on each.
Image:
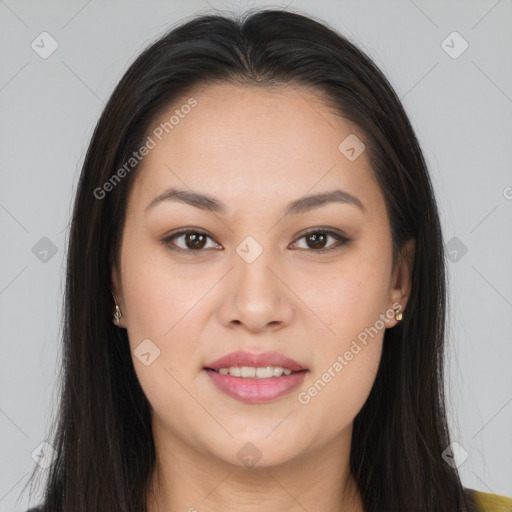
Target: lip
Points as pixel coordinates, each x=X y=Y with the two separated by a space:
x=242 y=358
x=256 y=391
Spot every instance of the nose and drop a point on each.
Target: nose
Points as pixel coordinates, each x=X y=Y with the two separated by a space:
x=256 y=295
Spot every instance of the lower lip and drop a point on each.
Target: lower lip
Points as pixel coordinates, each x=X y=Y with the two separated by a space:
x=256 y=391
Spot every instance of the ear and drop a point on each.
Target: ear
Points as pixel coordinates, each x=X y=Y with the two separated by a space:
x=401 y=280
x=118 y=295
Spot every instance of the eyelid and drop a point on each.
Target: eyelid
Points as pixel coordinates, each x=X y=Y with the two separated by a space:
x=338 y=235
x=183 y=231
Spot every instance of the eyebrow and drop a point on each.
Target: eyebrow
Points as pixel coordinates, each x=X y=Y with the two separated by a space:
x=301 y=205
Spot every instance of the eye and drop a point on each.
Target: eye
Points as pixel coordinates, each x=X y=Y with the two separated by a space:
x=317 y=238
x=194 y=240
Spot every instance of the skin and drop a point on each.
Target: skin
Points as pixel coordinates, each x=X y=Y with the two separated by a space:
x=255 y=149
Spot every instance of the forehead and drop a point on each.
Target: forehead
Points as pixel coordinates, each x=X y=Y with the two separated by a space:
x=251 y=140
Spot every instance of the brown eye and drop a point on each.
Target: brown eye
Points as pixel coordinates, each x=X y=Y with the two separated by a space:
x=192 y=241
x=317 y=239
x=195 y=240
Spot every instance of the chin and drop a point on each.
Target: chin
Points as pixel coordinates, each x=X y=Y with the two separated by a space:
x=254 y=455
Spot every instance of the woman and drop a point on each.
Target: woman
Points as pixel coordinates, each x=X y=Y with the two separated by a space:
x=255 y=296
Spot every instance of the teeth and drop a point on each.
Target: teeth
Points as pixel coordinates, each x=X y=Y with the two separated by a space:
x=247 y=372
x=266 y=373
x=250 y=372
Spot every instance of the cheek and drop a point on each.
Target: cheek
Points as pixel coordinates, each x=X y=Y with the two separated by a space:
x=160 y=295
x=162 y=315
x=347 y=356
x=165 y=312
x=351 y=304
x=335 y=395
x=348 y=298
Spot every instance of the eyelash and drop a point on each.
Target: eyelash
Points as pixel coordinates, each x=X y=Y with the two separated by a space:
x=342 y=240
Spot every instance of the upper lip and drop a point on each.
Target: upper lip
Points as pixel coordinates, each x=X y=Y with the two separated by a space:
x=242 y=358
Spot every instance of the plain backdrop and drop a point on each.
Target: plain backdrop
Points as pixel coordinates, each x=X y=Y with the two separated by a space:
x=459 y=100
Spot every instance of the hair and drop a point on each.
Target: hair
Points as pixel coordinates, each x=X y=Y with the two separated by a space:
x=102 y=434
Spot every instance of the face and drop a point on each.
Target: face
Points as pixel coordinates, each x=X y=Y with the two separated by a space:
x=313 y=282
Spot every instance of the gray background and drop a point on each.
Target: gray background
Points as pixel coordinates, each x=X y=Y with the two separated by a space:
x=461 y=109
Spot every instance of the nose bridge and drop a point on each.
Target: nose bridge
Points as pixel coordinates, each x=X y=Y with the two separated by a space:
x=257 y=297
x=252 y=262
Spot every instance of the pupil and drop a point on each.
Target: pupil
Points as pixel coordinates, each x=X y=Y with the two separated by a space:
x=314 y=236
x=195 y=237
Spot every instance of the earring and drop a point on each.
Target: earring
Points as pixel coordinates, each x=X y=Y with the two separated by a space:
x=398 y=315
x=117 y=315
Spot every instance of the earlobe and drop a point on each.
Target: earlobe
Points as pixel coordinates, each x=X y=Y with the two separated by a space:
x=402 y=277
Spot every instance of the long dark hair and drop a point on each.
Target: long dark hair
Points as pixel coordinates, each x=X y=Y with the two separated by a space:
x=102 y=431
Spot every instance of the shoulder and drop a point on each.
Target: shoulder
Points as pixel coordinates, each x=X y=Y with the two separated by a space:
x=487 y=502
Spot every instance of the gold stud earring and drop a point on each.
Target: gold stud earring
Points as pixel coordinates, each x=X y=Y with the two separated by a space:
x=398 y=315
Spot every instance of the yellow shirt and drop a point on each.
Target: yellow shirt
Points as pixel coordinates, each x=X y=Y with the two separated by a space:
x=487 y=502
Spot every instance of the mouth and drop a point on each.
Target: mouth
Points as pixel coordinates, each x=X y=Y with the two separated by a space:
x=255 y=385
x=251 y=372
x=255 y=378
